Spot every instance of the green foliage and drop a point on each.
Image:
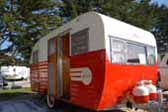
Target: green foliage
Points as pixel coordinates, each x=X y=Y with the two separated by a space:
x=161 y=29
x=24 y=22
x=74 y=8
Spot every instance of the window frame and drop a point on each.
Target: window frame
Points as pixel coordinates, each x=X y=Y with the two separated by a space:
x=85 y=30
x=145 y=50
x=154 y=54
x=111 y=50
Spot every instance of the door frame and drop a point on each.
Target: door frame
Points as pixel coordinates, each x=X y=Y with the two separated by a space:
x=63 y=80
x=59 y=74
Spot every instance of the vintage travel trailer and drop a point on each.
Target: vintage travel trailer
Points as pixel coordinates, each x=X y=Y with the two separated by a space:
x=95 y=62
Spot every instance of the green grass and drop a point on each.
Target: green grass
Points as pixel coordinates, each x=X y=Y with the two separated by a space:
x=20 y=90
x=7 y=94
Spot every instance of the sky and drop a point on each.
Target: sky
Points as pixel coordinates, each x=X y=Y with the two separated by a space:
x=160 y=2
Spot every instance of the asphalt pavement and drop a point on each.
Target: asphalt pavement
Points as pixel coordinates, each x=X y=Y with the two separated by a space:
x=21 y=106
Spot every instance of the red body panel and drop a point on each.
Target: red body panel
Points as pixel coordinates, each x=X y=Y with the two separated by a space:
x=109 y=81
x=89 y=96
x=119 y=79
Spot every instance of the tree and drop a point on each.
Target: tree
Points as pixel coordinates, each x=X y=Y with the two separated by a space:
x=161 y=29
x=74 y=8
x=24 y=22
x=141 y=13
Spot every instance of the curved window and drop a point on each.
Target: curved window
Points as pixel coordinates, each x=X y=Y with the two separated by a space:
x=35 y=56
x=51 y=46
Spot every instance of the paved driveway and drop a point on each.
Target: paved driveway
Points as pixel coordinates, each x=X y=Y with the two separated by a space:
x=21 y=106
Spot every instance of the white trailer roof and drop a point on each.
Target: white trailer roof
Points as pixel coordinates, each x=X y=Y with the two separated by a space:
x=112 y=27
x=117 y=28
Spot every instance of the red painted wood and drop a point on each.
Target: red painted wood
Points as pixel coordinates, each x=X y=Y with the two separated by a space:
x=39 y=77
x=88 y=96
x=110 y=81
x=120 y=79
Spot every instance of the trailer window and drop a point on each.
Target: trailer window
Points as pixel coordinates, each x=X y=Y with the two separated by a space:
x=136 y=54
x=35 y=56
x=127 y=52
x=80 y=42
x=118 y=50
x=151 y=55
x=51 y=49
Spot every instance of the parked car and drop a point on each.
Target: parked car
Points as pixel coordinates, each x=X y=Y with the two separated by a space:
x=163 y=70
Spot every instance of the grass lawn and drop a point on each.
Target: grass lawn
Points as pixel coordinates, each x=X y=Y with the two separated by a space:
x=6 y=94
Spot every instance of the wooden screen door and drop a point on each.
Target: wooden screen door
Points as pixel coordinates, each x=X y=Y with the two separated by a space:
x=52 y=67
x=58 y=67
x=66 y=65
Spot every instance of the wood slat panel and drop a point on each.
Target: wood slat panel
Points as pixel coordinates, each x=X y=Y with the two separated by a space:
x=66 y=66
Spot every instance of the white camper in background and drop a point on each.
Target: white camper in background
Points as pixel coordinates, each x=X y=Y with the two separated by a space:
x=1 y=81
x=163 y=70
x=15 y=72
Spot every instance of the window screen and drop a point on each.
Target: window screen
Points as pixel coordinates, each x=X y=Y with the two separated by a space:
x=151 y=55
x=51 y=46
x=136 y=54
x=79 y=42
x=125 y=52
x=35 y=56
x=117 y=51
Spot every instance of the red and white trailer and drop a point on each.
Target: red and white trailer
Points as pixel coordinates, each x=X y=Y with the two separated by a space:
x=94 y=62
